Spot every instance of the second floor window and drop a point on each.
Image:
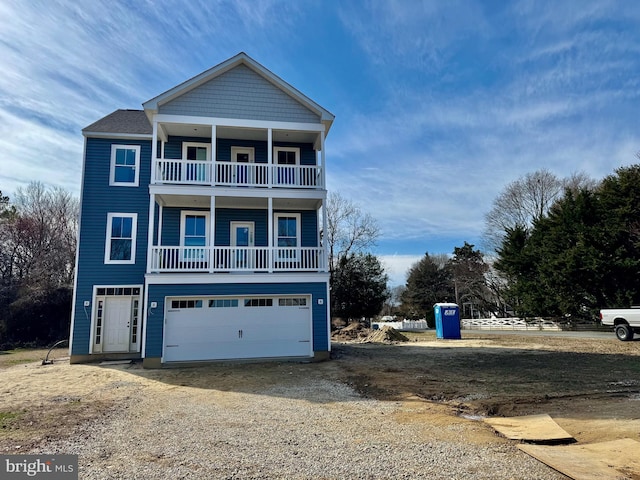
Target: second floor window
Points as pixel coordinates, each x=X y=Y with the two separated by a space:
x=125 y=165
x=287 y=229
x=194 y=229
x=121 y=238
x=196 y=151
x=286 y=155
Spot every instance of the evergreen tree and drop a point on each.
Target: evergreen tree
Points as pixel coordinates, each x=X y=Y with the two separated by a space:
x=428 y=282
x=359 y=287
x=468 y=269
x=582 y=256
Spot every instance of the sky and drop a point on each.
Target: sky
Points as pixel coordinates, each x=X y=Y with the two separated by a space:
x=439 y=105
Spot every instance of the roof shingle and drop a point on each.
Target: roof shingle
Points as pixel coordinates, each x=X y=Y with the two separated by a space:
x=122 y=121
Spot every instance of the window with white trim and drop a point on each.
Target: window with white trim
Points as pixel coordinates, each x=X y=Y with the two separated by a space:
x=194 y=236
x=286 y=160
x=120 y=245
x=196 y=151
x=243 y=154
x=125 y=165
x=287 y=237
x=286 y=155
x=287 y=229
x=194 y=228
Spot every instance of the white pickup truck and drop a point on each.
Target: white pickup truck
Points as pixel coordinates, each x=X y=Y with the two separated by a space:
x=626 y=321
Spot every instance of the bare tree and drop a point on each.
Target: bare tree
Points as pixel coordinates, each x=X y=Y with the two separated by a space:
x=349 y=229
x=579 y=181
x=37 y=258
x=526 y=200
x=41 y=236
x=393 y=300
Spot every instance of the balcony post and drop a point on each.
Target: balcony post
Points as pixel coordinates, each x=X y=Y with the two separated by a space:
x=152 y=215
x=154 y=152
x=323 y=159
x=212 y=233
x=270 y=156
x=325 y=247
x=159 y=227
x=270 y=257
x=214 y=156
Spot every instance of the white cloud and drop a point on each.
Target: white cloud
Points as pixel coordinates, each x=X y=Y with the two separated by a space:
x=32 y=152
x=397 y=267
x=410 y=34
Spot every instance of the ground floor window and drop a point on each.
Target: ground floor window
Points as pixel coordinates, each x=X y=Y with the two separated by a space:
x=292 y=302
x=223 y=303
x=186 y=304
x=258 y=302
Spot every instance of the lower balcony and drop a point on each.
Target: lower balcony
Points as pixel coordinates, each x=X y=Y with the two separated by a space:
x=236 y=259
x=232 y=174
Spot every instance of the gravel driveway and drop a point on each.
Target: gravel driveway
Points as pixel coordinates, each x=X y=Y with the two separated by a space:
x=278 y=421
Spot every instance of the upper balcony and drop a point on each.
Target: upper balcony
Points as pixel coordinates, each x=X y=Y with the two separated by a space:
x=233 y=174
x=234 y=153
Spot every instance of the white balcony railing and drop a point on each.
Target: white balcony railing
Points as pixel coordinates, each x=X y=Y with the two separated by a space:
x=197 y=172
x=236 y=259
x=181 y=171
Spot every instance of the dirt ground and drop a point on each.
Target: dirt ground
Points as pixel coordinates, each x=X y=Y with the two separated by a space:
x=591 y=387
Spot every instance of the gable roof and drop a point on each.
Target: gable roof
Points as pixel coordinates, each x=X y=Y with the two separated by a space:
x=129 y=122
x=151 y=106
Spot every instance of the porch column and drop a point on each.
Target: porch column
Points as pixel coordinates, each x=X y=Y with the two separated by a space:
x=323 y=175
x=212 y=233
x=214 y=156
x=152 y=218
x=325 y=249
x=154 y=151
x=270 y=230
x=159 y=242
x=270 y=155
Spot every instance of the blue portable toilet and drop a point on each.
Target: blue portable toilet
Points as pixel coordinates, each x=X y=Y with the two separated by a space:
x=447 y=320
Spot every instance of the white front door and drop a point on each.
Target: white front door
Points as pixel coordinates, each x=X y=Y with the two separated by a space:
x=117 y=322
x=242 y=235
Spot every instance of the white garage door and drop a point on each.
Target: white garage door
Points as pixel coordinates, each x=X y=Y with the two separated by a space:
x=213 y=328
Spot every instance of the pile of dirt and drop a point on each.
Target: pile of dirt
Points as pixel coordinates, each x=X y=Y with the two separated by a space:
x=353 y=331
x=385 y=335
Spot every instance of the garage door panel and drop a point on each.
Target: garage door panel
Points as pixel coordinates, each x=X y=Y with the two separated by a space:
x=193 y=334
x=276 y=348
x=201 y=351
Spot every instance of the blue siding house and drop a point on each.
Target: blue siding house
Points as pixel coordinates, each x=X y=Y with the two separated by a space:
x=201 y=225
